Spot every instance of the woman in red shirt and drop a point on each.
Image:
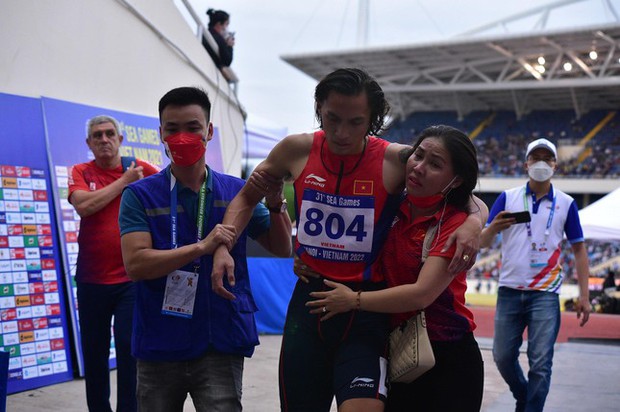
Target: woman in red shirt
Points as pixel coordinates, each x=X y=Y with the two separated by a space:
x=442 y=172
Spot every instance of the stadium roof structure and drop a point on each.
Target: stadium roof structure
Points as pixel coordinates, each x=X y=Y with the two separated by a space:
x=520 y=73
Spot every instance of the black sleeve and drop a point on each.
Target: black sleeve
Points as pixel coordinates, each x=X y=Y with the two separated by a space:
x=226 y=55
x=226 y=51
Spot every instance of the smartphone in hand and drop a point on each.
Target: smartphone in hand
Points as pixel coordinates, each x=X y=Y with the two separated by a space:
x=521 y=217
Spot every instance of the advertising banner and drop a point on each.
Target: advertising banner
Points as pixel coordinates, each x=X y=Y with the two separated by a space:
x=32 y=313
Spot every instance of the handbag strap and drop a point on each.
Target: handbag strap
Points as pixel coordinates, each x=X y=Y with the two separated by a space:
x=428 y=239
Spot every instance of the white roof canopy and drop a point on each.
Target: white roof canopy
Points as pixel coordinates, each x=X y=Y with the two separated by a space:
x=601 y=220
x=492 y=73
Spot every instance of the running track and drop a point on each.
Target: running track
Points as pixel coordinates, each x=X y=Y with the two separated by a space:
x=601 y=326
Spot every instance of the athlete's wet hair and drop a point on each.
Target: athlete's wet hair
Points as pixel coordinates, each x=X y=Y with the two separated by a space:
x=351 y=82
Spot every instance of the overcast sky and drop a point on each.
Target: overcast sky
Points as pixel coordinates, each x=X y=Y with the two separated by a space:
x=267 y=29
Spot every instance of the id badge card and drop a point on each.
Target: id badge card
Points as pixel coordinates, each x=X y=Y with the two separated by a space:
x=180 y=294
x=538 y=255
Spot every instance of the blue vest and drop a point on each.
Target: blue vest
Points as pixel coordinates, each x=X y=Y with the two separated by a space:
x=217 y=324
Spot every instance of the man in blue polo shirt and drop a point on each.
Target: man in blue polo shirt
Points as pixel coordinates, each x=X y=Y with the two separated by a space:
x=531 y=274
x=186 y=338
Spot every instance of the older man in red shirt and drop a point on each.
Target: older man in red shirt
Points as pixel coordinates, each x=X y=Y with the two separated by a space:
x=103 y=288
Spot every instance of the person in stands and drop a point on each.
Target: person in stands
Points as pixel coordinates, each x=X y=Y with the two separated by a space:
x=218 y=28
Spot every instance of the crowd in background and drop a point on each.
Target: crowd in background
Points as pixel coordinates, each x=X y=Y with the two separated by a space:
x=603 y=162
x=500 y=157
x=501 y=143
x=598 y=253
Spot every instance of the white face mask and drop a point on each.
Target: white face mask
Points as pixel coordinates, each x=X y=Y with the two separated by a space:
x=540 y=171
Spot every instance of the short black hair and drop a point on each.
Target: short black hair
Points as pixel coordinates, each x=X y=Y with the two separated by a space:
x=351 y=82
x=185 y=96
x=463 y=157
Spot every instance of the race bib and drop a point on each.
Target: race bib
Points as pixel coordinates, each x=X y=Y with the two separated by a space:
x=337 y=228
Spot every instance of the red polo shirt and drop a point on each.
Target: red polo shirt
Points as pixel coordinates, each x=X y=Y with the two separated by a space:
x=100 y=260
x=447 y=318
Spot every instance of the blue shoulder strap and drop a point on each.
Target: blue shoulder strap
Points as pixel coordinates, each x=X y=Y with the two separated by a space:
x=126 y=161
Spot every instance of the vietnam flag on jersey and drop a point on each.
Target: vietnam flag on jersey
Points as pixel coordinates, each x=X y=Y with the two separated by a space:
x=363 y=187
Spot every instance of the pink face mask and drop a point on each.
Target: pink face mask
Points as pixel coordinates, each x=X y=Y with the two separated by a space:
x=424 y=202
x=185 y=149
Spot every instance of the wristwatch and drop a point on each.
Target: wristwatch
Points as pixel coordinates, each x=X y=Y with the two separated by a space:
x=281 y=207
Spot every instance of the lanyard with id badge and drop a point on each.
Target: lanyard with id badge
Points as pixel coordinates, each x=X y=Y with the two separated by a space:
x=181 y=285
x=539 y=251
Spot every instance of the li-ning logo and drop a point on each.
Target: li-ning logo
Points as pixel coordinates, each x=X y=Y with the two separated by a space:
x=362 y=383
x=315 y=180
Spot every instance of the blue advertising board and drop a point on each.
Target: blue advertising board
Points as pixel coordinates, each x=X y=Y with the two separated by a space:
x=33 y=317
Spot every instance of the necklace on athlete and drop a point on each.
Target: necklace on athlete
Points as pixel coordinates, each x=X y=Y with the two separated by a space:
x=341 y=173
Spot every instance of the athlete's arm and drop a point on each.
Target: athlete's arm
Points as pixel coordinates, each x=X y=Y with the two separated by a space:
x=286 y=159
x=277 y=239
x=394 y=167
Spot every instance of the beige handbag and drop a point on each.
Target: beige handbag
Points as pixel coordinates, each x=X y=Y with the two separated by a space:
x=411 y=353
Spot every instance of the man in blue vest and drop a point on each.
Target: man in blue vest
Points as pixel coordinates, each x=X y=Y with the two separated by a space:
x=186 y=338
